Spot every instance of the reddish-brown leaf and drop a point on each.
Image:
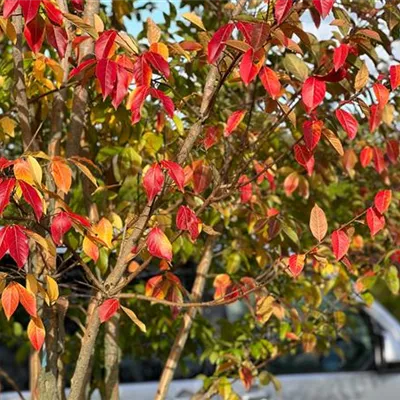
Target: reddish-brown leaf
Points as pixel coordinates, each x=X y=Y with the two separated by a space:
x=382 y=200
x=366 y=155
x=313 y=93
x=217 y=42
x=233 y=121
x=312 y=133
x=270 y=81
x=282 y=8
x=60 y=225
x=393 y=150
x=159 y=245
x=27 y=300
x=153 y=181
x=175 y=171
x=375 y=221
x=250 y=65
x=6 y=188
x=211 y=137
x=202 y=176
x=57 y=37
x=10 y=299
x=394 y=76
x=36 y=333
x=187 y=220
x=340 y=55
x=382 y=94
x=348 y=122
x=340 y=244
x=246 y=376
x=379 y=160
x=296 y=264
x=107 y=309
x=375 y=117
x=318 y=223
x=304 y=157
x=32 y=197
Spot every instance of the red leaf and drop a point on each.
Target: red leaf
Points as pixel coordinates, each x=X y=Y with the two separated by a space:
x=270 y=81
x=340 y=244
x=104 y=44
x=106 y=73
x=153 y=181
x=217 y=42
x=313 y=93
x=124 y=79
x=9 y=7
x=17 y=243
x=186 y=220
x=175 y=171
x=139 y=96
x=366 y=156
x=158 y=244
x=142 y=72
x=334 y=76
x=211 y=137
x=28 y=300
x=382 y=200
x=6 y=188
x=255 y=34
x=340 y=55
x=166 y=101
x=34 y=33
x=324 y=7
x=246 y=376
x=30 y=9
x=375 y=117
x=233 y=121
x=245 y=188
x=375 y=221
x=392 y=150
x=348 y=122
x=78 y=5
x=158 y=63
x=282 y=8
x=202 y=176
x=53 y=13
x=312 y=133
x=108 y=308
x=83 y=68
x=382 y=94
x=394 y=76
x=379 y=160
x=304 y=157
x=60 y=225
x=248 y=68
x=10 y=299
x=296 y=264
x=78 y=219
x=57 y=38
x=32 y=197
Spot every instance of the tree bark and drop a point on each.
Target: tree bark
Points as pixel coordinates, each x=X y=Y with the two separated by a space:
x=112 y=357
x=21 y=98
x=181 y=338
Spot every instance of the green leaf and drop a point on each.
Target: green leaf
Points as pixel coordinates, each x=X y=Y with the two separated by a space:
x=296 y=66
x=392 y=279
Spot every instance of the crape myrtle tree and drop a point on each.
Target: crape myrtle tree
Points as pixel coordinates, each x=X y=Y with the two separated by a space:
x=228 y=136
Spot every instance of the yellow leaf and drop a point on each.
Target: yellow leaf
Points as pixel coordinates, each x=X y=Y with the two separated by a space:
x=61 y=173
x=52 y=289
x=334 y=141
x=98 y=23
x=104 y=231
x=81 y=24
x=46 y=244
x=44 y=294
x=31 y=283
x=116 y=220
x=7 y=125
x=85 y=170
x=161 y=49
x=194 y=19
x=36 y=170
x=361 y=77
x=8 y=28
x=153 y=31
x=126 y=42
x=134 y=318
x=264 y=308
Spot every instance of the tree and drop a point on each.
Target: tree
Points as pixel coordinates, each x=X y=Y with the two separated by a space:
x=246 y=147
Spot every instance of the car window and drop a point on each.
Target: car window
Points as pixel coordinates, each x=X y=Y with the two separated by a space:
x=353 y=351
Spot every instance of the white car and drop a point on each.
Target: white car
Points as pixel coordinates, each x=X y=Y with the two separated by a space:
x=371 y=370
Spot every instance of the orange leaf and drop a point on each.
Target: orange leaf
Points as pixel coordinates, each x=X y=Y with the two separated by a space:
x=296 y=264
x=382 y=200
x=61 y=173
x=104 y=231
x=318 y=223
x=36 y=333
x=233 y=121
x=90 y=249
x=10 y=299
x=27 y=299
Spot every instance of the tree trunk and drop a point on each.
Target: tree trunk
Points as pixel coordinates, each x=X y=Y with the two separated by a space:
x=181 y=338
x=112 y=357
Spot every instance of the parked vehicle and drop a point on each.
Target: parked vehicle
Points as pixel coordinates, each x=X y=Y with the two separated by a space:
x=370 y=369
